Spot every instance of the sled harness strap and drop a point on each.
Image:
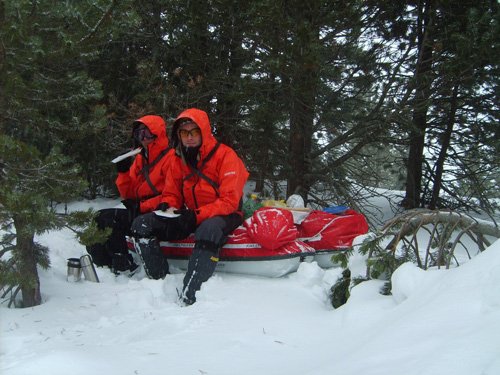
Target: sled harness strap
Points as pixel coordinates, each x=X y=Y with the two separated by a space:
x=145 y=170
x=200 y=174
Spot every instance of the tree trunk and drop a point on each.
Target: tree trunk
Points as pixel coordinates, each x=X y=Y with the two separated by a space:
x=300 y=148
x=423 y=78
x=27 y=266
x=228 y=105
x=2 y=66
x=445 y=144
x=303 y=89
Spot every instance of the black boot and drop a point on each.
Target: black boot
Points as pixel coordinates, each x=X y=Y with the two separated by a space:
x=100 y=255
x=201 y=266
x=123 y=264
x=155 y=263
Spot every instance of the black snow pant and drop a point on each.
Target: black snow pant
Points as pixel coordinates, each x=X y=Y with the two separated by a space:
x=210 y=235
x=114 y=252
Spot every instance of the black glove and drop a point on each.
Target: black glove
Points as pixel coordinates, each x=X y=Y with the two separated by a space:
x=179 y=227
x=133 y=206
x=163 y=206
x=187 y=218
x=124 y=165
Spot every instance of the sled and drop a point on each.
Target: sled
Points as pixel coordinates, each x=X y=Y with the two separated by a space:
x=240 y=255
x=272 y=244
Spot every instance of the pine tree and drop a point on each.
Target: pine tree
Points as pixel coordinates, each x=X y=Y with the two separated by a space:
x=47 y=98
x=29 y=183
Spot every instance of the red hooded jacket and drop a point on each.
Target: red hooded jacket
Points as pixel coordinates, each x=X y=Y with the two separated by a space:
x=224 y=168
x=133 y=184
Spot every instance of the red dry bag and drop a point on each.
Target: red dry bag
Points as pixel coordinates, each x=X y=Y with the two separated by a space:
x=271 y=227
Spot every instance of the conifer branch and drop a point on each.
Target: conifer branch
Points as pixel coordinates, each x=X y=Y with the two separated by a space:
x=104 y=17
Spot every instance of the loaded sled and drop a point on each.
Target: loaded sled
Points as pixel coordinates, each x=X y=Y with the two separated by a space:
x=274 y=241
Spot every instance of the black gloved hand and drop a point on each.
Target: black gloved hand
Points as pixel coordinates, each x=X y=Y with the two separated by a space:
x=178 y=227
x=133 y=206
x=163 y=206
x=187 y=218
x=124 y=165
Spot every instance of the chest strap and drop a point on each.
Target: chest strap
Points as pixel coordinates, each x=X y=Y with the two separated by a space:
x=200 y=174
x=146 y=168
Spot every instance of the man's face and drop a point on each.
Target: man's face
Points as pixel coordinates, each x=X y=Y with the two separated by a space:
x=190 y=134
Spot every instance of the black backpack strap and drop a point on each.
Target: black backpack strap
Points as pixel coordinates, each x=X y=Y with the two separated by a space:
x=207 y=179
x=153 y=188
x=145 y=171
x=198 y=172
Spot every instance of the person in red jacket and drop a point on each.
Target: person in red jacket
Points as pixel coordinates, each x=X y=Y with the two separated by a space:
x=203 y=190
x=140 y=182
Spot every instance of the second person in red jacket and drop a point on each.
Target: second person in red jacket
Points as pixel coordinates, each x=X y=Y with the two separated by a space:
x=204 y=188
x=140 y=182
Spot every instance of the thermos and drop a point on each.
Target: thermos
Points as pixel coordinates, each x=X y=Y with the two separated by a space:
x=77 y=265
x=74 y=270
x=88 y=268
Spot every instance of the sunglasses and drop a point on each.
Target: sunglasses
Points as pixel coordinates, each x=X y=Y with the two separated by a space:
x=186 y=133
x=143 y=133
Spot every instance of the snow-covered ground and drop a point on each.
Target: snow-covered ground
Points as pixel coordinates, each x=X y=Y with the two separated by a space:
x=436 y=322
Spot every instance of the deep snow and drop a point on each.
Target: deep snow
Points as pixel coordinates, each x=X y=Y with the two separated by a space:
x=436 y=322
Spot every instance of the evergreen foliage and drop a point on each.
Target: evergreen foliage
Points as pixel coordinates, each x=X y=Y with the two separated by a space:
x=49 y=117
x=340 y=291
x=423 y=237
x=29 y=183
